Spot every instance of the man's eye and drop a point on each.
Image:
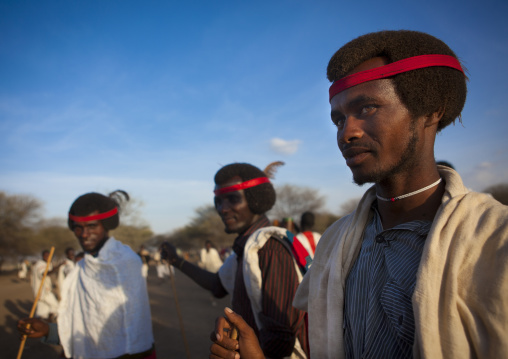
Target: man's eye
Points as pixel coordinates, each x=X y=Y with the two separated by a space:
x=367 y=109
x=339 y=121
x=234 y=199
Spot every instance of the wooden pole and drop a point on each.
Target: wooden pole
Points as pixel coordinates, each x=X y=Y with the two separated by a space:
x=39 y=292
x=178 y=311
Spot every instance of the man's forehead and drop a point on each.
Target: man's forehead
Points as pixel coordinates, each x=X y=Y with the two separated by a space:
x=372 y=91
x=85 y=223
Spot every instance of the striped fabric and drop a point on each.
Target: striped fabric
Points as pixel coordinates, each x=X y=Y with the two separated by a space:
x=378 y=319
x=282 y=322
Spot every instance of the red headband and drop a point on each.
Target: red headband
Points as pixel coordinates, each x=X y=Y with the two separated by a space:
x=394 y=68
x=243 y=185
x=94 y=217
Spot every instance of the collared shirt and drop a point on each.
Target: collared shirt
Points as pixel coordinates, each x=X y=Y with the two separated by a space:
x=378 y=315
x=281 y=321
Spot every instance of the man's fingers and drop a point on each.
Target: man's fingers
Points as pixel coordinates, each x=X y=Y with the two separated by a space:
x=238 y=322
x=222 y=334
x=217 y=351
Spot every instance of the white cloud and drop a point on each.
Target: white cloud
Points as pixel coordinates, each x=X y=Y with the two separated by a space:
x=284 y=147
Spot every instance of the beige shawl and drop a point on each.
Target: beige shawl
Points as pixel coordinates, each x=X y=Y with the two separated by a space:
x=461 y=297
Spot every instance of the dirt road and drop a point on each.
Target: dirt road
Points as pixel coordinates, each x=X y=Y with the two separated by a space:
x=196 y=306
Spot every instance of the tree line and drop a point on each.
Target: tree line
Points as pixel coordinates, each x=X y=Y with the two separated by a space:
x=24 y=231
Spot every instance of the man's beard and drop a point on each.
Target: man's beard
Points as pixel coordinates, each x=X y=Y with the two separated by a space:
x=406 y=161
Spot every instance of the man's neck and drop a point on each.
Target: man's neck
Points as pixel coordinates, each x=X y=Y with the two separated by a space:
x=421 y=206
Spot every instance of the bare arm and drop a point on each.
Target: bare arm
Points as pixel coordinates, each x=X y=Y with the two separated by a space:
x=207 y=280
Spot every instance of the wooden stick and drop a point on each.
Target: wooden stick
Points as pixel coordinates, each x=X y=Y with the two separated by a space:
x=32 y=312
x=178 y=311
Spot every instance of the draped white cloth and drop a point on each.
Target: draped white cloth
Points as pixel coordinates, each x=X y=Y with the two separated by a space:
x=48 y=304
x=460 y=300
x=210 y=260
x=105 y=310
x=63 y=272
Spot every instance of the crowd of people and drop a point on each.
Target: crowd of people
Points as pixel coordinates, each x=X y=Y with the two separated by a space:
x=418 y=269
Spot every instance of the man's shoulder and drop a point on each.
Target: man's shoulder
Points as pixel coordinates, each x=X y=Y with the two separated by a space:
x=477 y=205
x=120 y=253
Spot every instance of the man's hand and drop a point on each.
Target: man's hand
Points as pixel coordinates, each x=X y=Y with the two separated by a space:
x=246 y=347
x=169 y=252
x=33 y=327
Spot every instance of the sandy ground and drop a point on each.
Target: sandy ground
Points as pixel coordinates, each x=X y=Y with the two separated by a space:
x=198 y=313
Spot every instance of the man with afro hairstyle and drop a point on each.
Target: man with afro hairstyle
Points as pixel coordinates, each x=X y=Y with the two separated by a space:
x=262 y=273
x=104 y=312
x=419 y=269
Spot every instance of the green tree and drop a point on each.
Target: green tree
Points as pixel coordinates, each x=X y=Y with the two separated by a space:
x=49 y=235
x=293 y=200
x=18 y=217
x=133 y=236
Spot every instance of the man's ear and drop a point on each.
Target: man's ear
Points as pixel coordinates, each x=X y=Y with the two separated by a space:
x=433 y=118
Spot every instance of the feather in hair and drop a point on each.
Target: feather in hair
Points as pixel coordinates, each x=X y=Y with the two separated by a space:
x=272 y=168
x=120 y=197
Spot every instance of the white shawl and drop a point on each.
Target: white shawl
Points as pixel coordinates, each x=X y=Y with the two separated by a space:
x=105 y=311
x=460 y=300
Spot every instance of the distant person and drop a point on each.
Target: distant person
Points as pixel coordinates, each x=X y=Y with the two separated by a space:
x=162 y=266
x=262 y=273
x=23 y=270
x=145 y=258
x=290 y=225
x=210 y=258
x=419 y=269
x=308 y=237
x=105 y=311
x=66 y=268
x=47 y=307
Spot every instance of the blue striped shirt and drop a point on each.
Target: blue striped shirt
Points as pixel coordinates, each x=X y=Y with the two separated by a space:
x=378 y=313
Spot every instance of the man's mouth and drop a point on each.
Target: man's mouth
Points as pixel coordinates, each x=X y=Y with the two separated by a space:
x=355 y=155
x=228 y=220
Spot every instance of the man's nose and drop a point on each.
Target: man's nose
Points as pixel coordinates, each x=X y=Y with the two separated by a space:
x=224 y=206
x=86 y=232
x=351 y=130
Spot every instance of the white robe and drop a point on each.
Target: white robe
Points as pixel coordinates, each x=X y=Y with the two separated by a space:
x=63 y=271
x=460 y=300
x=210 y=260
x=48 y=304
x=105 y=311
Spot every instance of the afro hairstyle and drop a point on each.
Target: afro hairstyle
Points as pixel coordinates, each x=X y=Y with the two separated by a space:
x=261 y=198
x=96 y=202
x=423 y=91
x=307 y=220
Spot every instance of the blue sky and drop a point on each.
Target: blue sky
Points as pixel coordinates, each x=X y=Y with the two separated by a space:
x=153 y=97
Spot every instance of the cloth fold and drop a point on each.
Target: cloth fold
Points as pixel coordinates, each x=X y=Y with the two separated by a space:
x=105 y=311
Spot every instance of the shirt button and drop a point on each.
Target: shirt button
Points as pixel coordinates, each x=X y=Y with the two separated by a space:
x=380 y=238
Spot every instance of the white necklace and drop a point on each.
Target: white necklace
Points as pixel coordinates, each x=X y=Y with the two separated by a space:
x=393 y=199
